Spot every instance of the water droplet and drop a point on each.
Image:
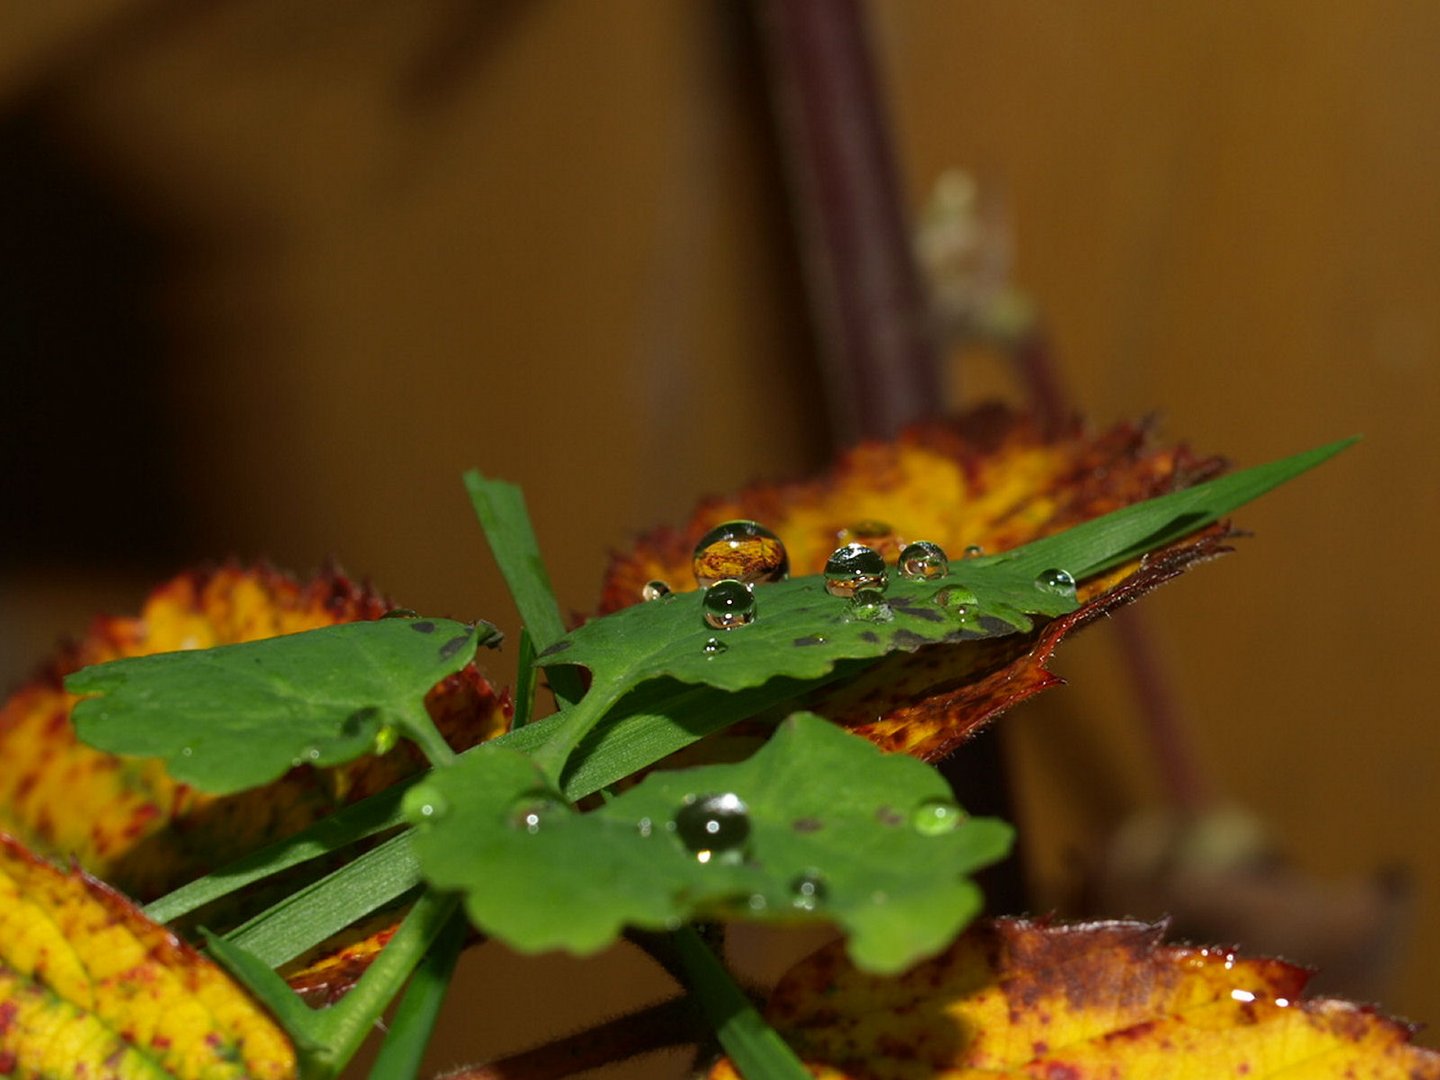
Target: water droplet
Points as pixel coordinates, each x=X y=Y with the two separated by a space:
x=644 y=826
x=187 y=751
x=936 y=817
x=655 y=590
x=924 y=560
x=531 y=814
x=313 y=753
x=808 y=891
x=1055 y=581
x=385 y=739
x=423 y=803
x=728 y=604
x=854 y=567
x=972 y=551
x=401 y=613
x=757 y=902
x=869 y=605
x=957 y=600
x=714 y=647
x=714 y=826
x=743 y=550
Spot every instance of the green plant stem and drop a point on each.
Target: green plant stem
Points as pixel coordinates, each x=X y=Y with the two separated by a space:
x=414 y=1019
x=427 y=737
x=755 y=1048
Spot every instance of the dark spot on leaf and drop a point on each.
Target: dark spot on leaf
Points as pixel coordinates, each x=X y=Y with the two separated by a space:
x=928 y=614
x=811 y=639
x=888 y=815
x=908 y=639
x=453 y=646
x=558 y=647
x=807 y=824
x=424 y=626
x=357 y=720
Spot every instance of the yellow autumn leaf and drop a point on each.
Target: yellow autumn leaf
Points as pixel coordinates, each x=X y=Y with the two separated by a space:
x=1019 y=1000
x=90 y=987
x=125 y=819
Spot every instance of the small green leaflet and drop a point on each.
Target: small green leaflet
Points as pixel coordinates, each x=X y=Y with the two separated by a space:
x=238 y=716
x=835 y=830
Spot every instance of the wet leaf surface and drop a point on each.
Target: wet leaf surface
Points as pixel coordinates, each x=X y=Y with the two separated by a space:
x=90 y=987
x=989 y=479
x=1019 y=999
x=816 y=825
x=126 y=819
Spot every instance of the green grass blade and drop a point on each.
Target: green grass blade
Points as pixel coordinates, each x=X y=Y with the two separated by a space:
x=1106 y=542
x=414 y=1020
x=755 y=1048
x=325 y=907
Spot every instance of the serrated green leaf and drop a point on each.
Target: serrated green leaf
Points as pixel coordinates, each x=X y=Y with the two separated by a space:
x=822 y=806
x=239 y=716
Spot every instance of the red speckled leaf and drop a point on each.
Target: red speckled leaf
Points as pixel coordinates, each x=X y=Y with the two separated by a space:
x=90 y=987
x=124 y=819
x=1019 y=999
x=990 y=478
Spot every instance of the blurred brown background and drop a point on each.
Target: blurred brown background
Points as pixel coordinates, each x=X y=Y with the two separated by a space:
x=272 y=275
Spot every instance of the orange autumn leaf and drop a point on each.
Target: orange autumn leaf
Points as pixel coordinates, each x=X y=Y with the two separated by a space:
x=1018 y=999
x=90 y=987
x=124 y=819
x=992 y=479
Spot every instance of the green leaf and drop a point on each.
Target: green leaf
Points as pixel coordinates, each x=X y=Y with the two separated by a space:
x=832 y=834
x=238 y=716
x=800 y=631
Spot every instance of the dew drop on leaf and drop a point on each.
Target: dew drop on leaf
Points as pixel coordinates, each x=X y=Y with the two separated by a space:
x=936 y=817
x=714 y=827
x=385 y=739
x=531 y=814
x=644 y=827
x=401 y=613
x=868 y=605
x=654 y=590
x=187 y=751
x=854 y=567
x=728 y=604
x=423 y=803
x=743 y=550
x=1055 y=581
x=808 y=891
x=957 y=600
x=924 y=561
x=713 y=647
x=972 y=551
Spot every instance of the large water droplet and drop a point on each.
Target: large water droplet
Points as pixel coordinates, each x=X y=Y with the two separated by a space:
x=714 y=827
x=854 y=567
x=531 y=814
x=654 y=590
x=924 y=561
x=728 y=604
x=808 y=891
x=869 y=605
x=423 y=803
x=713 y=647
x=1055 y=581
x=743 y=550
x=957 y=600
x=936 y=817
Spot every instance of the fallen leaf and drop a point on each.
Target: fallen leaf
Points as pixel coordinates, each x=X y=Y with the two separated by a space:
x=124 y=819
x=1021 y=999
x=90 y=987
x=991 y=479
